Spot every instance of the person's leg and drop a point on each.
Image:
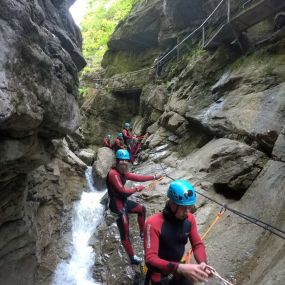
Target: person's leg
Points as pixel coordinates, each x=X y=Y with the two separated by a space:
x=136 y=208
x=123 y=225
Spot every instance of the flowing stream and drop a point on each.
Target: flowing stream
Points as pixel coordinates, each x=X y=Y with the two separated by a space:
x=86 y=217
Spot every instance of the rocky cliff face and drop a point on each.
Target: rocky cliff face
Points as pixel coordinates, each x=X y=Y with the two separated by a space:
x=39 y=62
x=216 y=118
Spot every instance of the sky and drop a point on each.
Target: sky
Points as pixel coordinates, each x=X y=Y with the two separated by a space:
x=78 y=9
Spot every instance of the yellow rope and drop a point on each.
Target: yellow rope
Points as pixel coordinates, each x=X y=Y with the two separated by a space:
x=186 y=258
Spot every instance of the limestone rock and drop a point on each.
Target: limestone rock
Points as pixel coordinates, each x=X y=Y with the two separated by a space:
x=174 y=122
x=139 y=30
x=279 y=147
x=230 y=165
x=87 y=155
x=40 y=55
x=104 y=162
x=65 y=154
x=252 y=248
x=255 y=115
x=105 y=114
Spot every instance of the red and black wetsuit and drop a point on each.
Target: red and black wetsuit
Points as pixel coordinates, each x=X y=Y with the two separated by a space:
x=120 y=205
x=118 y=144
x=127 y=137
x=107 y=143
x=164 y=245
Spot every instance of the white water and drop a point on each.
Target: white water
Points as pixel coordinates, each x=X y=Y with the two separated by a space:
x=87 y=215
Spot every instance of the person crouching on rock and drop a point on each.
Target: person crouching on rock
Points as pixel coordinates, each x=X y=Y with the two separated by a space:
x=165 y=236
x=119 y=203
x=107 y=141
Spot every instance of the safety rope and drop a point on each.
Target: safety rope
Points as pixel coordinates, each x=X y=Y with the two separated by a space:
x=217 y=275
x=152 y=185
x=186 y=258
x=257 y=222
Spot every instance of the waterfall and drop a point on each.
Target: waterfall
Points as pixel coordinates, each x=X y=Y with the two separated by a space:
x=87 y=215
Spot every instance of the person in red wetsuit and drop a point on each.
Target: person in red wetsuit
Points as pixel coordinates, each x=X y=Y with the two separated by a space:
x=127 y=135
x=119 y=142
x=107 y=141
x=166 y=234
x=119 y=203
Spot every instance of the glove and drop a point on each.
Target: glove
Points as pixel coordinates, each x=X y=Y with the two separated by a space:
x=139 y=188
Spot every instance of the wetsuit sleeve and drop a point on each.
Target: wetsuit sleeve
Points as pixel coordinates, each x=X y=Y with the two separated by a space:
x=118 y=144
x=152 y=232
x=116 y=182
x=139 y=178
x=196 y=242
x=126 y=134
x=107 y=144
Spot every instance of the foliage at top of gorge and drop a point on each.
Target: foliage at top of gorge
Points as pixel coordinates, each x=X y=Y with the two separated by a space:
x=98 y=25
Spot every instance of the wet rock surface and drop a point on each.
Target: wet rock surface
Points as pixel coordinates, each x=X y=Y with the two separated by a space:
x=217 y=119
x=39 y=177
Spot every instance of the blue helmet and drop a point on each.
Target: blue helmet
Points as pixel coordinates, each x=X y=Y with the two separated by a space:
x=120 y=135
x=127 y=125
x=122 y=154
x=182 y=193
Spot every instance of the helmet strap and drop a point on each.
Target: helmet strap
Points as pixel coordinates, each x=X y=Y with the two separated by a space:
x=176 y=209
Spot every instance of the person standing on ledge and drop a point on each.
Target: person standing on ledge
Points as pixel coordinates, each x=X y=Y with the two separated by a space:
x=166 y=234
x=119 y=203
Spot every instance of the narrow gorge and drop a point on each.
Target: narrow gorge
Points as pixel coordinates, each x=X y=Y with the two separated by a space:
x=212 y=105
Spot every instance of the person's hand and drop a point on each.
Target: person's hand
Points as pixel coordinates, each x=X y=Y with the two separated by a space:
x=140 y=188
x=194 y=272
x=207 y=268
x=157 y=176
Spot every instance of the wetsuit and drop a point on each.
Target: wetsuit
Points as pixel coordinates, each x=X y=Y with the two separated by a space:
x=127 y=137
x=120 y=205
x=118 y=144
x=107 y=143
x=165 y=240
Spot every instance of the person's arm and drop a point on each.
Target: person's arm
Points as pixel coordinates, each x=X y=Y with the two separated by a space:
x=116 y=182
x=196 y=272
x=151 y=245
x=196 y=242
x=118 y=144
x=126 y=134
x=139 y=178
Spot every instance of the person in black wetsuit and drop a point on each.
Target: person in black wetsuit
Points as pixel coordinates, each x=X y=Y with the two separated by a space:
x=165 y=236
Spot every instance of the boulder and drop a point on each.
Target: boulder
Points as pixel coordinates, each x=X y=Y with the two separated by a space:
x=104 y=162
x=231 y=166
x=87 y=155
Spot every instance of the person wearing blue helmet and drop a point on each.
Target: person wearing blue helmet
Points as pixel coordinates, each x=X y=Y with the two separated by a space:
x=166 y=234
x=119 y=203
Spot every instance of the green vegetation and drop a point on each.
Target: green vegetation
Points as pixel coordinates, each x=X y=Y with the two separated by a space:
x=99 y=24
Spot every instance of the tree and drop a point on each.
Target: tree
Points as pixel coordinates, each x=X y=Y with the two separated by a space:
x=98 y=25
